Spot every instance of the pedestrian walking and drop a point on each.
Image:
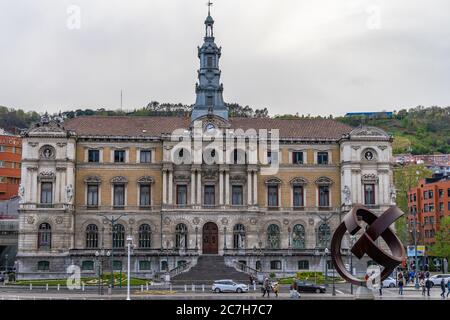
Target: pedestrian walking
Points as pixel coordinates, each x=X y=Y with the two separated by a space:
x=266 y=288
x=422 y=285
x=443 y=288
x=293 y=291
x=428 y=285
x=276 y=289
x=400 y=284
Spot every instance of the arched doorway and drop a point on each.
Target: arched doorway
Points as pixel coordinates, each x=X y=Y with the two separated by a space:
x=210 y=238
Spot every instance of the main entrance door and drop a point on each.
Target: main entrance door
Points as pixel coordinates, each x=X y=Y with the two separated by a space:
x=210 y=238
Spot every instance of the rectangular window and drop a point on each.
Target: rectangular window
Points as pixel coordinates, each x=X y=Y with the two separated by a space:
x=369 y=194
x=2 y=148
x=303 y=265
x=209 y=62
x=297 y=157
x=448 y=192
x=415 y=197
x=430 y=194
x=272 y=196
x=322 y=157
x=146 y=156
x=87 y=265
x=425 y=208
x=93 y=155
x=441 y=193
x=209 y=101
x=119 y=195
x=43 y=266
x=117 y=265
x=92 y=195
x=275 y=265
x=181 y=195
x=441 y=206
x=298 y=197
x=144 y=195
x=448 y=206
x=119 y=156
x=2 y=164
x=431 y=207
x=324 y=196
x=145 y=265
x=209 y=197
x=237 y=196
x=46 y=192
x=425 y=194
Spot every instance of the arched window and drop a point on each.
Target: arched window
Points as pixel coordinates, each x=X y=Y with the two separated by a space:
x=45 y=236
x=118 y=236
x=181 y=233
x=92 y=236
x=273 y=236
x=323 y=235
x=298 y=237
x=239 y=236
x=145 y=236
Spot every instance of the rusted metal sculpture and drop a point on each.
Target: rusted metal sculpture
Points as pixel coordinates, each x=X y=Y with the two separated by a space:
x=377 y=226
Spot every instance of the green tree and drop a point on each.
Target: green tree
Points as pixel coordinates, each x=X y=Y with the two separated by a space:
x=406 y=178
x=441 y=247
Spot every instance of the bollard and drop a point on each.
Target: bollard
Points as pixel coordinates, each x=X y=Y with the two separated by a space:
x=254 y=286
x=82 y=286
x=185 y=287
x=142 y=288
x=203 y=287
x=46 y=287
x=58 y=287
x=147 y=286
x=31 y=286
x=170 y=288
x=193 y=287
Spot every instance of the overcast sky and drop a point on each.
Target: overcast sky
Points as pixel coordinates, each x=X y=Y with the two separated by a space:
x=307 y=56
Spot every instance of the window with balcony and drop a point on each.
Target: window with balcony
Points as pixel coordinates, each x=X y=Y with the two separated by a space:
x=298 y=197
x=93 y=155
x=144 y=195
x=237 y=195
x=146 y=156
x=119 y=195
x=119 y=156
x=322 y=158
x=209 y=196
x=369 y=194
x=324 y=196
x=297 y=157
x=181 y=195
x=92 y=195
x=46 y=193
x=272 y=196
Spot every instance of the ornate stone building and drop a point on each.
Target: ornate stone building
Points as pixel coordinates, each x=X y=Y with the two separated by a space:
x=262 y=192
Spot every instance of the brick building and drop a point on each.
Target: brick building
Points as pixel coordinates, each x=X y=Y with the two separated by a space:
x=429 y=202
x=10 y=164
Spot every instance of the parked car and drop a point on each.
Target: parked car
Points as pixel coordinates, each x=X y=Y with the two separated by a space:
x=304 y=286
x=436 y=279
x=389 y=282
x=229 y=286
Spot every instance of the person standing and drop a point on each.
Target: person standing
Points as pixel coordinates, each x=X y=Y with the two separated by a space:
x=428 y=285
x=266 y=288
x=422 y=285
x=443 y=288
x=276 y=289
x=400 y=283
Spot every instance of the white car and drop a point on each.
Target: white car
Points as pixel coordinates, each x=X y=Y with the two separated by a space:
x=229 y=286
x=389 y=282
x=436 y=279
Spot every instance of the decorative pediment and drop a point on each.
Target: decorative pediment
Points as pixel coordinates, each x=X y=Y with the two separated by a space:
x=238 y=178
x=146 y=179
x=119 y=179
x=369 y=178
x=324 y=181
x=47 y=175
x=369 y=132
x=209 y=175
x=299 y=181
x=273 y=180
x=182 y=178
x=93 y=180
x=48 y=126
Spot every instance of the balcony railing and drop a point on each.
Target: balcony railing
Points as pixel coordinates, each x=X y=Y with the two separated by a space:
x=58 y=206
x=119 y=208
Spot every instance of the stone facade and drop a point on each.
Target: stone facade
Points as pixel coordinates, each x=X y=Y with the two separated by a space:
x=267 y=208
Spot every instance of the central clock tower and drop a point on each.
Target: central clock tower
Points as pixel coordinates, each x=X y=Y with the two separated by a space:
x=209 y=90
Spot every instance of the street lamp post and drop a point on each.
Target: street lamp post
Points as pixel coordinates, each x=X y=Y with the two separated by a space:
x=6 y=262
x=129 y=243
x=352 y=242
x=416 y=285
x=100 y=254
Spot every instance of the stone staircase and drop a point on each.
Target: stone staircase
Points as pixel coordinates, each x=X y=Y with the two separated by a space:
x=208 y=269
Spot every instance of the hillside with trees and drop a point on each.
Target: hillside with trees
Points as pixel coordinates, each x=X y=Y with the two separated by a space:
x=418 y=130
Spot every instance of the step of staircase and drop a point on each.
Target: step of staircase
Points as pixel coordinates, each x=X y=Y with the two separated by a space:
x=208 y=269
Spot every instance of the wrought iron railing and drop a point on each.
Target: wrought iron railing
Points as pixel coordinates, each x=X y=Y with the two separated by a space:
x=242 y=267
x=180 y=269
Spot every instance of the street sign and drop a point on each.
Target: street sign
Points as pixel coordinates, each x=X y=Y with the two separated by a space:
x=420 y=251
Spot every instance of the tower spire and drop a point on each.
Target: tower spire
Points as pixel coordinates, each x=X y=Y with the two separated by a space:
x=209 y=7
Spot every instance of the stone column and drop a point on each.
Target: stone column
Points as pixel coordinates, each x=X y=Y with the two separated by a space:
x=199 y=188
x=227 y=188
x=255 y=188
x=249 y=188
x=164 y=197
x=192 y=187
x=221 y=188
x=170 y=187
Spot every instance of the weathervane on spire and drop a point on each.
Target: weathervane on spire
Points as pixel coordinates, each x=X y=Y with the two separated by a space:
x=209 y=7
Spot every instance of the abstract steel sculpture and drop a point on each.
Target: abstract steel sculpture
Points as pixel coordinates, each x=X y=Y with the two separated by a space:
x=377 y=226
